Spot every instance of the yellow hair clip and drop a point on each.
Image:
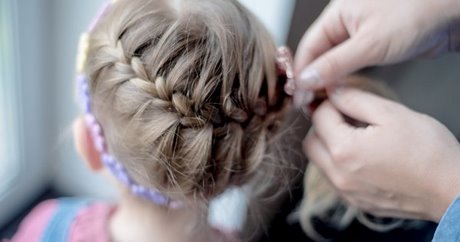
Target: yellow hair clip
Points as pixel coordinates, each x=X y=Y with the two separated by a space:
x=82 y=54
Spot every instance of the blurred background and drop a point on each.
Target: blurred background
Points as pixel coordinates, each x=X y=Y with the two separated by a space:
x=38 y=44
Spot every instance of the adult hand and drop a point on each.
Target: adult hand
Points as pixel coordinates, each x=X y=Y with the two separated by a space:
x=352 y=34
x=404 y=164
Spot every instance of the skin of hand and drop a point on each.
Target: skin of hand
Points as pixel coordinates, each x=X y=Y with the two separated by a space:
x=403 y=164
x=352 y=34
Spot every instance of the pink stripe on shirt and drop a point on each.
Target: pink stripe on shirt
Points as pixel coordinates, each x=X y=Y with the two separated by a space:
x=33 y=227
x=92 y=224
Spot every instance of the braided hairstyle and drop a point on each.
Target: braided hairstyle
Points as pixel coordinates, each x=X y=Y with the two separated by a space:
x=187 y=93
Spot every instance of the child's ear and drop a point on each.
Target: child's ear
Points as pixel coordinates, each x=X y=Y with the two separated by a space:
x=85 y=145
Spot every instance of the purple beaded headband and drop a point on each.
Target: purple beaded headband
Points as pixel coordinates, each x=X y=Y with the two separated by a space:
x=114 y=166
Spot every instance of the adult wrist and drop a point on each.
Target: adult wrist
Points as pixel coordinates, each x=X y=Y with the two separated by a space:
x=448 y=188
x=449 y=8
x=448 y=227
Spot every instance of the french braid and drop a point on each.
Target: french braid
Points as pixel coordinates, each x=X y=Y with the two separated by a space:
x=188 y=97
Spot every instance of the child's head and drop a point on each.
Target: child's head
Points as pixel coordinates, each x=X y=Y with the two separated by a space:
x=187 y=93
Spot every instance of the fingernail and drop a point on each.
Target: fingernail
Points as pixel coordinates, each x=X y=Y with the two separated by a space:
x=309 y=78
x=302 y=98
x=289 y=88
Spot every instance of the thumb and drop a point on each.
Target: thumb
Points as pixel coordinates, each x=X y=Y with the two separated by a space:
x=335 y=64
x=361 y=106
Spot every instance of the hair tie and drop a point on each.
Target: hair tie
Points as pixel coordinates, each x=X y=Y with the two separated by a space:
x=284 y=63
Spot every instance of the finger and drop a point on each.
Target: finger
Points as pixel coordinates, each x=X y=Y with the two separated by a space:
x=330 y=125
x=317 y=152
x=326 y=32
x=338 y=62
x=362 y=106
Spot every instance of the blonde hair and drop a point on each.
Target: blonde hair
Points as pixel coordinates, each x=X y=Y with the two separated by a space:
x=187 y=93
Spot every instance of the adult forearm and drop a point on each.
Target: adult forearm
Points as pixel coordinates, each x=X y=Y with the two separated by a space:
x=449 y=9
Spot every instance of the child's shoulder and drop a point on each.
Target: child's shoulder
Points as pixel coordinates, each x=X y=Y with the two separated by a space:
x=66 y=219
